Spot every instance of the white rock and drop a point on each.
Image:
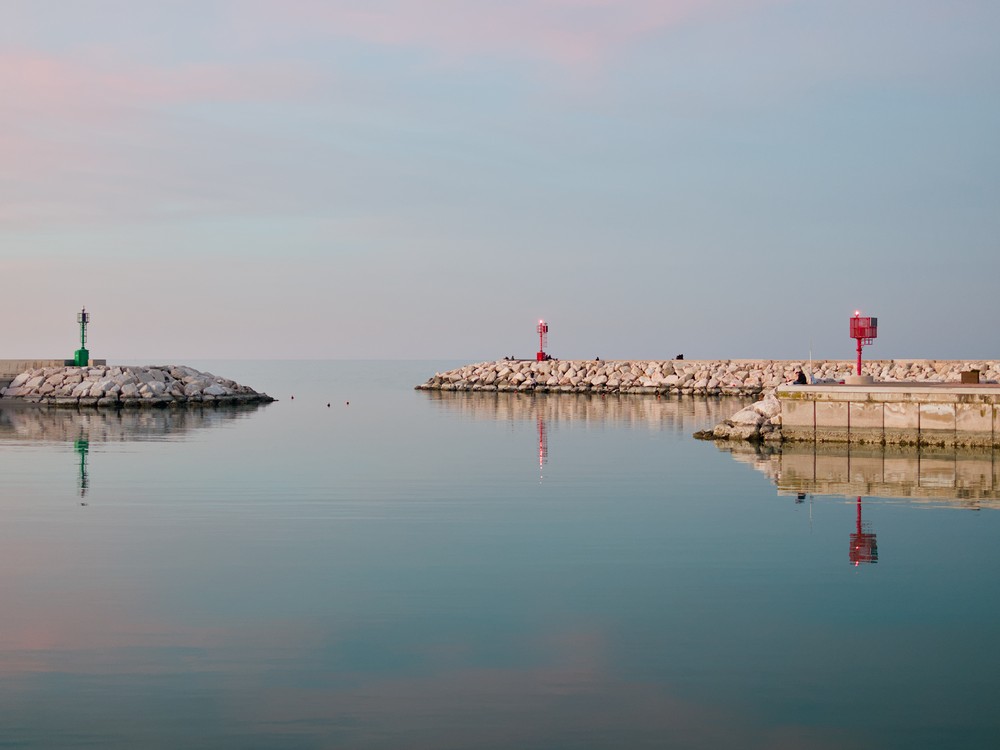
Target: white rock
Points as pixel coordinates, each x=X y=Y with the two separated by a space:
x=155 y=387
x=747 y=416
x=767 y=406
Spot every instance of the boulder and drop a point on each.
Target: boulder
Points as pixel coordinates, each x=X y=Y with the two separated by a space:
x=747 y=416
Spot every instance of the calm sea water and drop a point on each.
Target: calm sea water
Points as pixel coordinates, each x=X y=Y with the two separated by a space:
x=416 y=570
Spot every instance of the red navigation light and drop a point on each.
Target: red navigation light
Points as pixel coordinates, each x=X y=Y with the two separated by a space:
x=543 y=337
x=865 y=331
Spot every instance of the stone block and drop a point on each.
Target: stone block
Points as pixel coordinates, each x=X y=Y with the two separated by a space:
x=865 y=421
x=937 y=418
x=974 y=423
x=865 y=415
x=832 y=414
x=798 y=413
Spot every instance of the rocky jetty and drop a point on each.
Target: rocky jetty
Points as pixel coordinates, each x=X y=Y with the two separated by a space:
x=128 y=387
x=737 y=377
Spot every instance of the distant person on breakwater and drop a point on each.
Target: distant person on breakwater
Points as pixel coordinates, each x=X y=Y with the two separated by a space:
x=800 y=379
x=679 y=356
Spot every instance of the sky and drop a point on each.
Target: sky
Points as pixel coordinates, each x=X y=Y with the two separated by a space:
x=395 y=179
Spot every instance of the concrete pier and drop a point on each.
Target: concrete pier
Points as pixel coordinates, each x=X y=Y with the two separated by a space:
x=11 y=368
x=933 y=414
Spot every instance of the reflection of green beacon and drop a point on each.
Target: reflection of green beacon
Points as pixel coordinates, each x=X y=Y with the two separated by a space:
x=82 y=357
x=82 y=447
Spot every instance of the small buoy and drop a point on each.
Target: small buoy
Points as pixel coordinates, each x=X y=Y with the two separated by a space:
x=293 y=398
x=328 y=406
x=347 y=403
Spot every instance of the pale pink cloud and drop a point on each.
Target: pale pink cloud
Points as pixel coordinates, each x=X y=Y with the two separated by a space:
x=32 y=81
x=81 y=134
x=565 y=32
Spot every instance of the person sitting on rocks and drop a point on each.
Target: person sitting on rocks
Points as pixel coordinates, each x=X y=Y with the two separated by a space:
x=800 y=378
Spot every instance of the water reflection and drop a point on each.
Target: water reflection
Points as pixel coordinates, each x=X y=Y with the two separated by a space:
x=82 y=447
x=957 y=477
x=675 y=414
x=543 y=447
x=39 y=423
x=864 y=547
x=679 y=415
x=32 y=424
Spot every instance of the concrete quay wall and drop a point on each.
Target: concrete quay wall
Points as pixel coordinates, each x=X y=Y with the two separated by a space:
x=933 y=414
x=11 y=368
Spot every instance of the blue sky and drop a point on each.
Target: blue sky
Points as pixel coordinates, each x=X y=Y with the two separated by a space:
x=398 y=179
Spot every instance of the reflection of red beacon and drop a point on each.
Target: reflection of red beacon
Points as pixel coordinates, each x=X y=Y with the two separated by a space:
x=864 y=331
x=543 y=446
x=543 y=339
x=864 y=547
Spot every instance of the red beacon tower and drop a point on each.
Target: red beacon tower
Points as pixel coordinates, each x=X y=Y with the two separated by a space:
x=543 y=339
x=864 y=331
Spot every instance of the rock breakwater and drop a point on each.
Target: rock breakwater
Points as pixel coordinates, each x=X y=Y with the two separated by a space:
x=128 y=387
x=737 y=377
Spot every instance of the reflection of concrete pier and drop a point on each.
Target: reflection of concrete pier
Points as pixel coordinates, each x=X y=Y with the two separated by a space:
x=963 y=477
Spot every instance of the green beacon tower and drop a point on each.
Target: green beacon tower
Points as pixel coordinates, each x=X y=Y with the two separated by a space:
x=82 y=357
